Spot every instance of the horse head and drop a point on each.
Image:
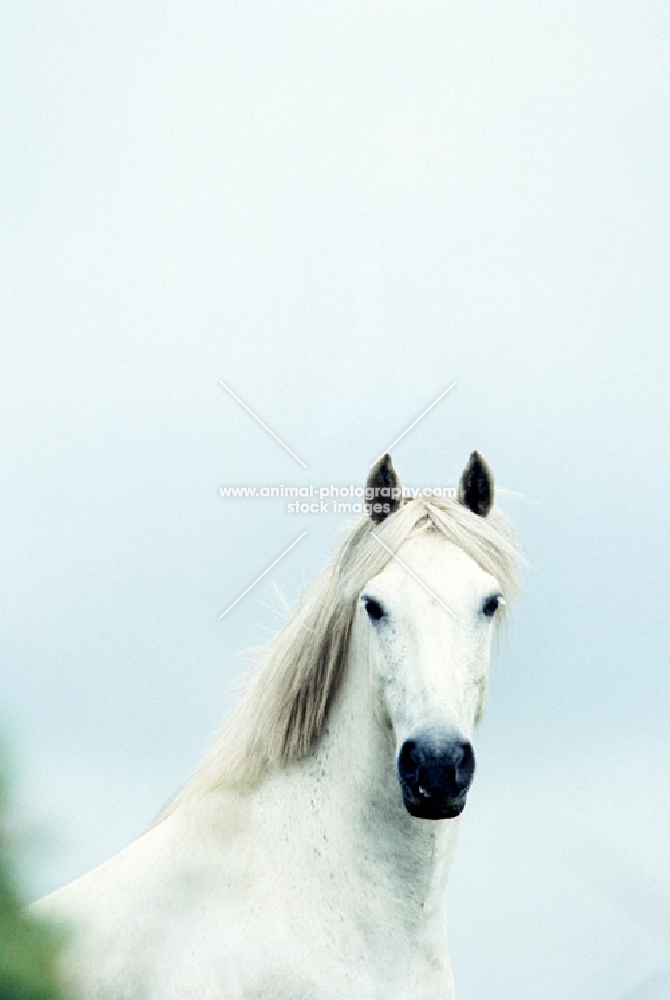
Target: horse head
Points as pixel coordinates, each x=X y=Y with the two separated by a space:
x=429 y=619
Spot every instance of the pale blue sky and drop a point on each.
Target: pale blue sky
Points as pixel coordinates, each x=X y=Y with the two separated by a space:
x=338 y=209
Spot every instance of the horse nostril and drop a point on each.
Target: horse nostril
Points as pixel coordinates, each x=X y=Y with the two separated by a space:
x=410 y=759
x=464 y=763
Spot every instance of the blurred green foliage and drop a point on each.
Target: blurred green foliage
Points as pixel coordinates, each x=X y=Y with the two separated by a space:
x=28 y=947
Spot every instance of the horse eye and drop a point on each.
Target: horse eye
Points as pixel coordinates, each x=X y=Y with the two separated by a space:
x=374 y=609
x=491 y=606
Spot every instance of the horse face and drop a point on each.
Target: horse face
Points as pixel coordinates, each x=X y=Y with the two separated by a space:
x=429 y=645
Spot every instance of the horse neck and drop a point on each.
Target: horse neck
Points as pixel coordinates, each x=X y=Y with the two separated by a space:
x=347 y=794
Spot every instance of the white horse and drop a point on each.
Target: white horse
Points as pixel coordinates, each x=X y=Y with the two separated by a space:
x=303 y=859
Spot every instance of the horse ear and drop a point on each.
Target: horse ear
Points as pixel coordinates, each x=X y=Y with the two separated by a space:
x=384 y=481
x=475 y=489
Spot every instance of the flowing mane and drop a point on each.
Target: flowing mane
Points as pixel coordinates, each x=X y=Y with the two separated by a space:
x=285 y=703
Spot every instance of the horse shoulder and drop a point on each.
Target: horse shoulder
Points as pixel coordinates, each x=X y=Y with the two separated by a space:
x=168 y=891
